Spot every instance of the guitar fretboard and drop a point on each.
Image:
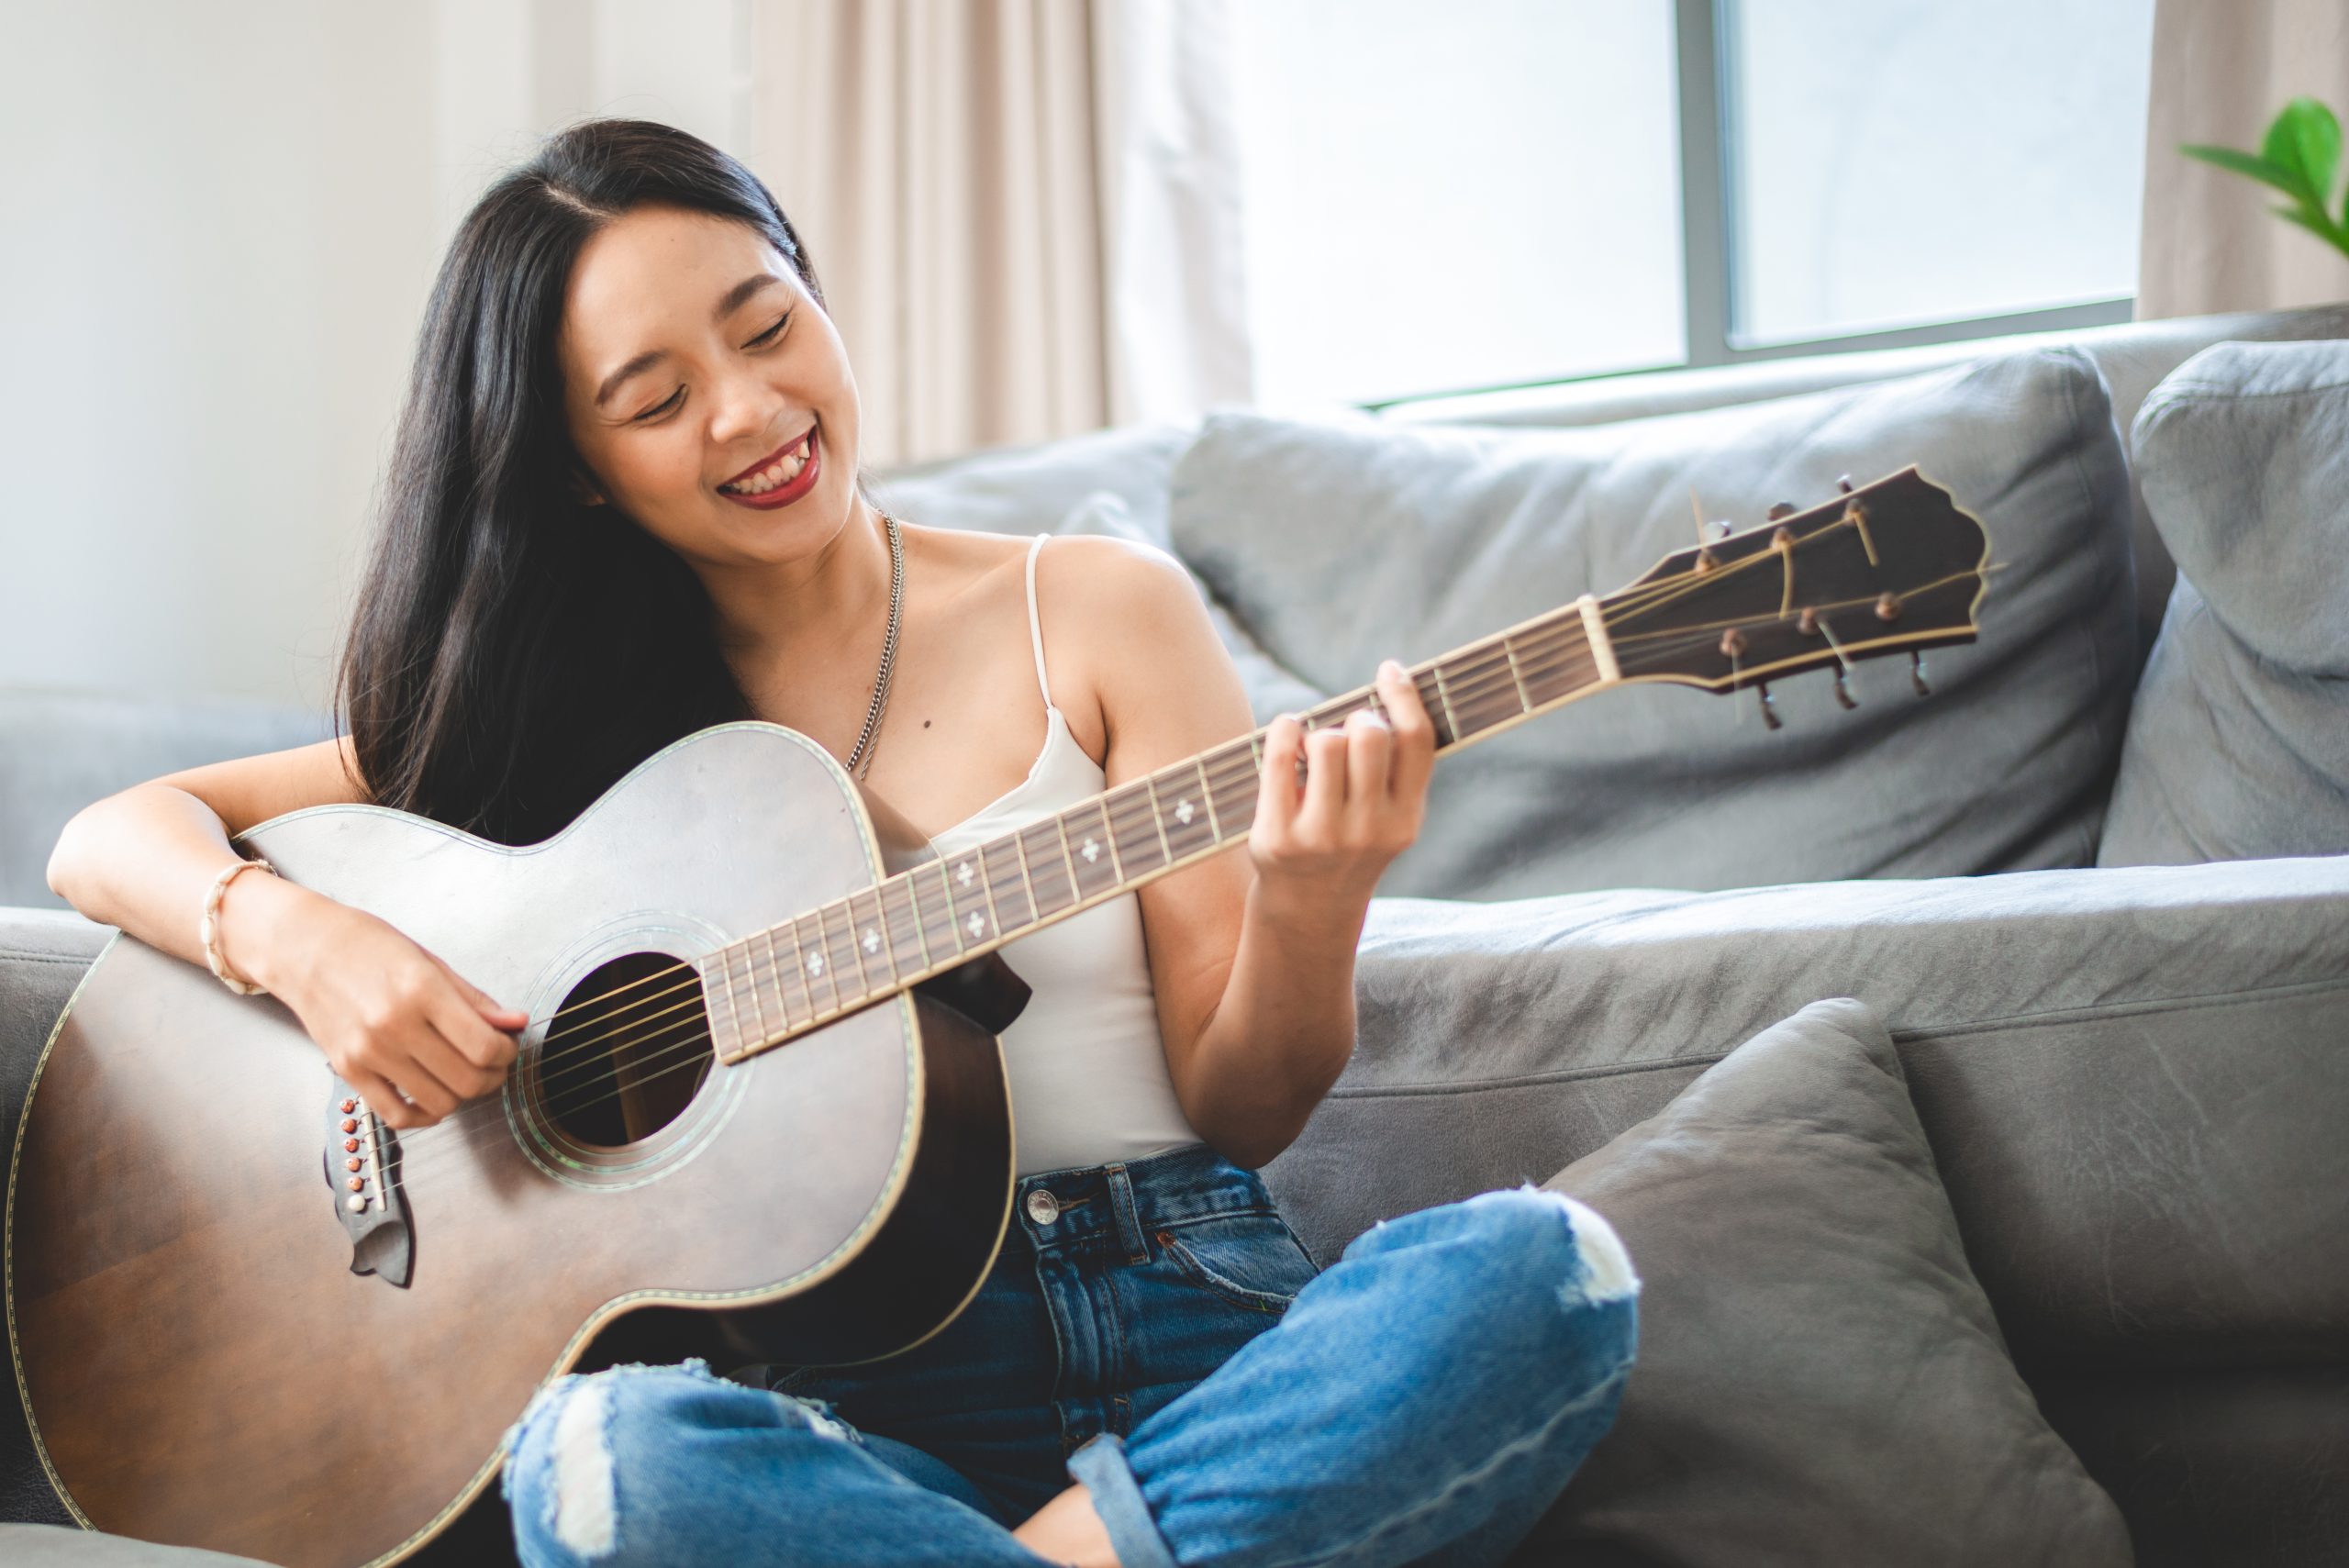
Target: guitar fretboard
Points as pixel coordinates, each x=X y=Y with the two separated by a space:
x=782 y=982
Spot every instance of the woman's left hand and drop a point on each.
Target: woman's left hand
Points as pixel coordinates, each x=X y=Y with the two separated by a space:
x=1360 y=806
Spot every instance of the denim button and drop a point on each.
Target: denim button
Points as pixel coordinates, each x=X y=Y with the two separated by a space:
x=1042 y=1207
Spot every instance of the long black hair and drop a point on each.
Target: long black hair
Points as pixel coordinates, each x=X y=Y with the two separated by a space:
x=514 y=650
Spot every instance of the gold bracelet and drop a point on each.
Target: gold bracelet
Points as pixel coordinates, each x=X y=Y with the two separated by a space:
x=208 y=930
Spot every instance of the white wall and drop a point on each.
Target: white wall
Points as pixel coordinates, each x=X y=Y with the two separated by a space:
x=218 y=224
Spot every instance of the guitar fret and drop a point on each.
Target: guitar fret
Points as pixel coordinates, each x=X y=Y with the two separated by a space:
x=1110 y=833
x=833 y=965
x=1447 y=726
x=986 y=893
x=787 y=975
x=954 y=911
x=1043 y=870
x=1524 y=700
x=815 y=967
x=1093 y=877
x=1157 y=821
x=1068 y=859
x=758 y=1002
x=726 y=988
x=913 y=913
x=1207 y=794
x=1023 y=890
x=872 y=938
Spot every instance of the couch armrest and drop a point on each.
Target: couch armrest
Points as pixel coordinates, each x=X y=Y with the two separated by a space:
x=2134 y=1079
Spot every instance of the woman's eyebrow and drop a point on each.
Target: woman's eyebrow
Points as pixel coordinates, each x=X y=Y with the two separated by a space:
x=734 y=299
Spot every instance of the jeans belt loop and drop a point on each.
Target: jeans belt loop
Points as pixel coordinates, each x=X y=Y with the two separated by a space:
x=1121 y=1201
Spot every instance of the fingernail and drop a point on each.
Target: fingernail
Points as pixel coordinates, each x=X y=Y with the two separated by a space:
x=1390 y=667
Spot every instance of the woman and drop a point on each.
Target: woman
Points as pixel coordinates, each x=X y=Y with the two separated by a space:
x=625 y=504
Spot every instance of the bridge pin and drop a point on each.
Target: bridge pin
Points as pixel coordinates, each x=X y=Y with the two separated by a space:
x=355 y=1203
x=352 y=1164
x=349 y=1105
x=349 y=1124
x=350 y=1146
x=355 y=1182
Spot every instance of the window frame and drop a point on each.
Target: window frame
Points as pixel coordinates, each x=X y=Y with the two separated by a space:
x=1702 y=39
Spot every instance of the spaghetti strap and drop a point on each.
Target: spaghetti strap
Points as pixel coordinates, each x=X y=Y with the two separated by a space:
x=1035 y=626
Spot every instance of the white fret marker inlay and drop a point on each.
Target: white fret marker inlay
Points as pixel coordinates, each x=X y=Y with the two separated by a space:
x=872 y=939
x=1092 y=851
x=975 y=923
x=815 y=963
x=1182 y=812
x=963 y=874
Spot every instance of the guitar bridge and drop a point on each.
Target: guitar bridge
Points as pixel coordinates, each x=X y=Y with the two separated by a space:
x=362 y=1158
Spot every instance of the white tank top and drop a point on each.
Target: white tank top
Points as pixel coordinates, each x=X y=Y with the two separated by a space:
x=1087 y=1067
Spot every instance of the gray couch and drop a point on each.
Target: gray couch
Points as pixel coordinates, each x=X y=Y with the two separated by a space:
x=2133 y=1078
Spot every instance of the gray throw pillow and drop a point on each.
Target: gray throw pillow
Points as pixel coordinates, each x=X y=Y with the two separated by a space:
x=2238 y=742
x=1820 y=1380
x=1335 y=542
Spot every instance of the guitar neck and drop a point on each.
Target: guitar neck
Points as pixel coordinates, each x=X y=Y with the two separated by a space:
x=775 y=985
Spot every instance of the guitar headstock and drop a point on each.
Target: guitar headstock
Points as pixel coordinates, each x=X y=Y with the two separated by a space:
x=1894 y=566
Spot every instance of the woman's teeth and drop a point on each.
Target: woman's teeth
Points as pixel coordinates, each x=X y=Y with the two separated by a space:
x=785 y=470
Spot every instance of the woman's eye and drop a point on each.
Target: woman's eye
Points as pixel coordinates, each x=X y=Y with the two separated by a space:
x=780 y=322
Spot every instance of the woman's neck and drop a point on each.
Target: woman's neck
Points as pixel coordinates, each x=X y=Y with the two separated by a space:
x=831 y=598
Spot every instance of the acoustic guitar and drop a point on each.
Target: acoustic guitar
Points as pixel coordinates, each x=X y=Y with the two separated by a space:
x=759 y=1113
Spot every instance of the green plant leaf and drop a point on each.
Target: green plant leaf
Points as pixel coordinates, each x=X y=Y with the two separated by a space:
x=2249 y=165
x=2305 y=138
x=2318 y=224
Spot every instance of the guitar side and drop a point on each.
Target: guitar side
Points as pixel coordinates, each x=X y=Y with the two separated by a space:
x=199 y=1362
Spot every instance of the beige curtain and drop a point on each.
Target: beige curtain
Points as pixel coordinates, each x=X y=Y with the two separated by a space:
x=2221 y=68
x=1023 y=212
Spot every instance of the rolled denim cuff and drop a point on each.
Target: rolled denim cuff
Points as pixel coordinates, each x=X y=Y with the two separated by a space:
x=1100 y=1464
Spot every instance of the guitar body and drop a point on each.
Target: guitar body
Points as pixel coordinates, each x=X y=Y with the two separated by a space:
x=200 y=1362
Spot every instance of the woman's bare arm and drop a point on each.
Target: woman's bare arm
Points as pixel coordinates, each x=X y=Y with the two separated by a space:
x=401 y=1028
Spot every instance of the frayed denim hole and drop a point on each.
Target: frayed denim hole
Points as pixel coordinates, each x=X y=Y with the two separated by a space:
x=583 y=1503
x=818 y=1417
x=1606 y=1273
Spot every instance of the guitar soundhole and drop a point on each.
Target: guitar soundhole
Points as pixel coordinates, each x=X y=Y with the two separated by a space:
x=629 y=1050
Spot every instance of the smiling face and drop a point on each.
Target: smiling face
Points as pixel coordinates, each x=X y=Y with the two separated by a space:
x=692 y=352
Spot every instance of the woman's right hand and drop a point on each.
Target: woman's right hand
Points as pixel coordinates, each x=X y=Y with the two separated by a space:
x=391 y=1017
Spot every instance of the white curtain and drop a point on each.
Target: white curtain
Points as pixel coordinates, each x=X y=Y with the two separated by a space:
x=2221 y=68
x=1024 y=213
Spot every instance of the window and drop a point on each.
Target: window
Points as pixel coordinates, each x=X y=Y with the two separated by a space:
x=1489 y=194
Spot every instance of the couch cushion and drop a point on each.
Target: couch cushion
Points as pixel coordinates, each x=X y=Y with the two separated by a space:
x=1821 y=1378
x=1029 y=489
x=1336 y=542
x=2238 y=742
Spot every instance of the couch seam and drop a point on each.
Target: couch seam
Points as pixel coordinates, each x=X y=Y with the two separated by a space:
x=1910 y=1034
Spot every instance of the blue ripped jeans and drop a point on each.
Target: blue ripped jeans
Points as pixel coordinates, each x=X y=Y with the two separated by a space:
x=1156 y=1330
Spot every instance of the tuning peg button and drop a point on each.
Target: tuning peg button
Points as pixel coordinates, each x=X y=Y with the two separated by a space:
x=1842 y=692
x=1917 y=673
x=1769 y=707
x=1781 y=509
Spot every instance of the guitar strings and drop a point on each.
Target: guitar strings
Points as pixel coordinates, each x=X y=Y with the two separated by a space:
x=1233 y=768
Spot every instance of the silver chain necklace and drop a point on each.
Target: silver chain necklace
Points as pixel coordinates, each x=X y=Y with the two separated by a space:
x=888 y=652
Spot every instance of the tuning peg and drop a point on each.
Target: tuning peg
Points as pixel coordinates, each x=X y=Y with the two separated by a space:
x=1843 y=693
x=1917 y=672
x=1723 y=528
x=1843 y=482
x=1781 y=509
x=1769 y=707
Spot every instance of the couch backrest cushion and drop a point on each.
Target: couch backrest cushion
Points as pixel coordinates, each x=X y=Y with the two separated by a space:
x=61 y=749
x=2238 y=742
x=1337 y=542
